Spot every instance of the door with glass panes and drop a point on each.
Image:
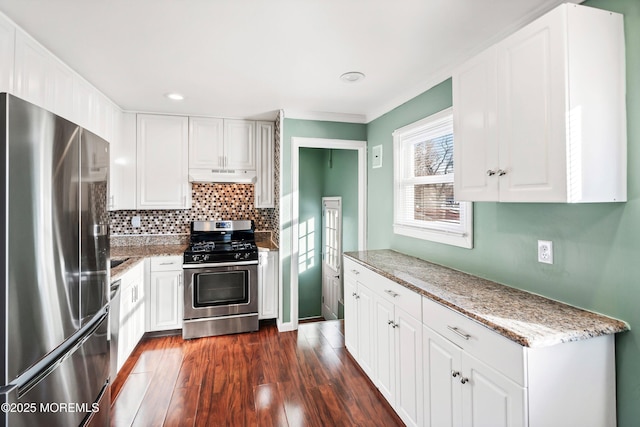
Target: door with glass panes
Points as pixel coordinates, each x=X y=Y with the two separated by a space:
x=331 y=256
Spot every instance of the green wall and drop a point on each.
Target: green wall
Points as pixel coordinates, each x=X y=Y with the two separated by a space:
x=305 y=129
x=596 y=246
x=342 y=180
x=323 y=173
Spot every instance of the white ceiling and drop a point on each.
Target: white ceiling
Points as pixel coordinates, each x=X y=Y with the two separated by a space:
x=251 y=58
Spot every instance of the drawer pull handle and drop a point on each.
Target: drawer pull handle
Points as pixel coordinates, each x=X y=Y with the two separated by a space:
x=166 y=263
x=355 y=271
x=455 y=373
x=390 y=292
x=457 y=331
x=464 y=380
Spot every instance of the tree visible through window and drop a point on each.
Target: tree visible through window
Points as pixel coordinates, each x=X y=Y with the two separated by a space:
x=424 y=201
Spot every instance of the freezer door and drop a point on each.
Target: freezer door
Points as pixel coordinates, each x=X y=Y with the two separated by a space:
x=69 y=390
x=40 y=191
x=94 y=219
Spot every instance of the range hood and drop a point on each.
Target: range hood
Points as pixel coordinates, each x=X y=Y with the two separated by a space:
x=223 y=175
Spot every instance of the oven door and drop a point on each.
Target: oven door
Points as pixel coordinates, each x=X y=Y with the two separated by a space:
x=214 y=290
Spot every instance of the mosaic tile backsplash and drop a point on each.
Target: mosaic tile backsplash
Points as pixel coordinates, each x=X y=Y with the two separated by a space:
x=209 y=202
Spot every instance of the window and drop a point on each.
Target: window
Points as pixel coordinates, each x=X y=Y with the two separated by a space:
x=424 y=205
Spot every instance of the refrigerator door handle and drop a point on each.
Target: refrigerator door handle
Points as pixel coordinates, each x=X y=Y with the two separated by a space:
x=36 y=379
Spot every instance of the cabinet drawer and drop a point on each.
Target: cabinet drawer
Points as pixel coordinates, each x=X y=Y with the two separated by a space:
x=166 y=263
x=402 y=297
x=393 y=292
x=490 y=347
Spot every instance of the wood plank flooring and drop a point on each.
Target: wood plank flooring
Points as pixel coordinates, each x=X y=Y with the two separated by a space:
x=266 y=378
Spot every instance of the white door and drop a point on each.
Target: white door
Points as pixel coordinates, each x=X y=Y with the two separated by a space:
x=331 y=255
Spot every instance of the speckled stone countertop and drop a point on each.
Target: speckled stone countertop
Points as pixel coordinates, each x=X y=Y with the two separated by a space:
x=138 y=254
x=528 y=319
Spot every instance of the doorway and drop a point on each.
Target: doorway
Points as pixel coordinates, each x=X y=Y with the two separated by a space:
x=300 y=225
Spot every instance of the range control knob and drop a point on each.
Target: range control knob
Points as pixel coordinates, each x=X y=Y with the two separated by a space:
x=205 y=257
x=237 y=255
x=246 y=256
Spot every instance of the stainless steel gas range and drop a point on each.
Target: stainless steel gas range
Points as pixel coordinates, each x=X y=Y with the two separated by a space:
x=221 y=279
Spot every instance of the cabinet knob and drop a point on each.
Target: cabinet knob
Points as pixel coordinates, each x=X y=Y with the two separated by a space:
x=455 y=373
x=464 y=380
x=491 y=172
x=501 y=172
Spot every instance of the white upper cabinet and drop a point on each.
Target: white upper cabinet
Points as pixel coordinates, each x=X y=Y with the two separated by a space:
x=221 y=150
x=30 y=70
x=239 y=144
x=206 y=142
x=541 y=116
x=122 y=173
x=162 y=162
x=264 y=191
x=7 y=44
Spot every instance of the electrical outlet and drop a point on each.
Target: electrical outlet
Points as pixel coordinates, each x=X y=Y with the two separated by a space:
x=135 y=221
x=545 y=251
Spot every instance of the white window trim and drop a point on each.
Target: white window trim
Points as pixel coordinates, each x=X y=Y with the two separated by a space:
x=439 y=234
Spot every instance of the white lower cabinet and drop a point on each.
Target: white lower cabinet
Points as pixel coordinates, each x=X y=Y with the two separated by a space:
x=459 y=390
x=438 y=368
x=165 y=293
x=387 y=336
x=358 y=323
x=132 y=312
x=268 y=285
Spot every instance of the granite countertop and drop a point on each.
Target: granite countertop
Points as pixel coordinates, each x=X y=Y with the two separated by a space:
x=528 y=319
x=138 y=253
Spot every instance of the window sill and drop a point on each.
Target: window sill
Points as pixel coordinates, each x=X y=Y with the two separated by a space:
x=438 y=236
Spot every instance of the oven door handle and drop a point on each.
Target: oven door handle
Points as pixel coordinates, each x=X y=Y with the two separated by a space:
x=219 y=264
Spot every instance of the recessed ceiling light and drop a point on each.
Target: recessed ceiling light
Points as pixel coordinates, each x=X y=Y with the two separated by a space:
x=352 y=76
x=174 y=96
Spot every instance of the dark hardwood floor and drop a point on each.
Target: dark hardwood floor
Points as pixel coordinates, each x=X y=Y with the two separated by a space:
x=266 y=378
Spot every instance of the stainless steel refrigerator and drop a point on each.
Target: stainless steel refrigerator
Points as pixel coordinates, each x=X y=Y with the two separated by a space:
x=54 y=355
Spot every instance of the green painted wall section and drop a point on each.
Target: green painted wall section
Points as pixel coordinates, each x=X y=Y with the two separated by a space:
x=596 y=246
x=342 y=180
x=323 y=173
x=305 y=129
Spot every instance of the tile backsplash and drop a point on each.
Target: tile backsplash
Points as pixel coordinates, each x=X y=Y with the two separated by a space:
x=209 y=202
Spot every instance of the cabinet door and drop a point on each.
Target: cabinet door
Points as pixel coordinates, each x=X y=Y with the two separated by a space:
x=122 y=172
x=441 y=384
x=409 y=399
x=268 y=285
x=206 y=142
x=165 y=300
x=162 y=160
x=239 y=144
x=59 y=91
x=264 y=197
x=489 y=398
x=532 y=111
x=351 y=314
x=366 y=341
x=475 y=145
x=385 y=345
x=31 y=61
x=7 y=46
x=125 y=332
